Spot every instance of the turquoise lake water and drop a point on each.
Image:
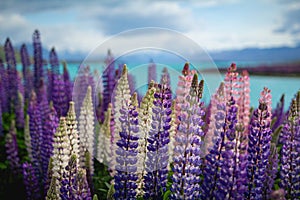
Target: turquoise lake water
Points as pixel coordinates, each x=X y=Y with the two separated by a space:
x=278 y=85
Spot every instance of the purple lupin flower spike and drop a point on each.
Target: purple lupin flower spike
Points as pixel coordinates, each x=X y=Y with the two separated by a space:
x=38 y=59
x=82 y=189
x=11 y=74
x=211 y=171
x=54 y=71
x=58 y=95
x=157 y=146
x=26 y=70
x=36 y=131
x=31 y=182
x=49 y=128
x=279 y=114
x=68 y=86
x=1 y=122
x=12 y=149
x=271 y=171
x=108 y=79
x=126 y=154
x=290 y=159
x=259 y=147
x=151 y=71
x=187 y=153
x=20 y=111
x=67 y=189
x=3 y=87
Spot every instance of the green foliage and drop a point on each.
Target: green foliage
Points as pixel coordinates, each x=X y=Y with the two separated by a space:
x=101 y=180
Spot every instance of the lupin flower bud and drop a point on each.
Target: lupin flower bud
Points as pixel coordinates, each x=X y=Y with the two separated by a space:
x=12 y=149
x=187 y=152
x=259 y=146
x=126 y=153
x=72 y=130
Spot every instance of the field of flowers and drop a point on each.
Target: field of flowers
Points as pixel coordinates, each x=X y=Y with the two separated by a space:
x=114 y=144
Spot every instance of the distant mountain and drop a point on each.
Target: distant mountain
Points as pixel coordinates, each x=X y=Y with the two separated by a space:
x=280 y=54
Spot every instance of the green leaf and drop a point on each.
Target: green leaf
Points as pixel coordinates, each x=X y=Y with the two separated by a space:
x=166 y=195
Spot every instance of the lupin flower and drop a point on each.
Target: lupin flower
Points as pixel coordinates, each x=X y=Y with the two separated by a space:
x=20 y=111
x=54 y=71
x=211 y=171
x=67 y=189
x=12 y=149
x=38 y=59
x=157 y=143
x=49 y=129
x=145 y=118
x=31 y=182
x=68 y=83
x=120 y=99
x=151 y=72
x=187 y=153
x=11 y=73
x=59 y=96
x=3 y=87
x=72 y=130
x=290 y=159
x=244 y=101
x=279 y=114
x=86 y=130
x=126 y=153
x=108 y=80
x=61 y=152
x=183 y=87
x=52 y=193
x=48 y=177
x=27 y=138
x=103 y=152
x=259 y=146
x=36 y=131
x=26 y=70
x=271 y=172
x=165 y=78
x=82 y=189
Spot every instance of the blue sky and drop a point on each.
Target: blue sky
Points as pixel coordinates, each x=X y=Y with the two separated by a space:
x=216 y=25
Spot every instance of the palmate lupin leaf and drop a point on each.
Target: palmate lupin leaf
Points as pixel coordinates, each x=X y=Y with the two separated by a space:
x=290 y=159
x=187 y=152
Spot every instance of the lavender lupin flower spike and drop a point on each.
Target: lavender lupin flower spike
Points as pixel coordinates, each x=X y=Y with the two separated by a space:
x=12 y=149
x=38 y=59
x=259 y=146
x=290 y=160
x=26 y=71
x=31 y=182
x=187 y=160
x=126 y=153
x=157 y=146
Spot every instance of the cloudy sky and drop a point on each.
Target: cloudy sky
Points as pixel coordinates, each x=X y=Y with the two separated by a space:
x=78 y=26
